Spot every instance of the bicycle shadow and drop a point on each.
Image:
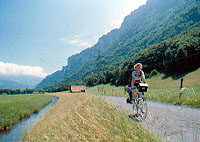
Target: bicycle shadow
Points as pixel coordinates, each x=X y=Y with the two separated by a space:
x=135 y=118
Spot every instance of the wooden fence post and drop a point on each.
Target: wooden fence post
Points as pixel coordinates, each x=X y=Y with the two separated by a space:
x=180 y=94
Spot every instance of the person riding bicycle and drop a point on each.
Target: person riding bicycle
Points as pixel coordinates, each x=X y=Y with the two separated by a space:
x=137 y=77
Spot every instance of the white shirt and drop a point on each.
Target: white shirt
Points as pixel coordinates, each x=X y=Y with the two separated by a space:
x=138 y=76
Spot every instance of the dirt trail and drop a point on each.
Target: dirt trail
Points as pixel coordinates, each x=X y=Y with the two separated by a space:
x=171 y=123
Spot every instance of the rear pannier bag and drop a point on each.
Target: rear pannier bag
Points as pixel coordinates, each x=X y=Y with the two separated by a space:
x=143 y=87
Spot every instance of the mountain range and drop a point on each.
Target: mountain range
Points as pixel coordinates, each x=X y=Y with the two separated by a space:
x=151 y=24
x=18 y=82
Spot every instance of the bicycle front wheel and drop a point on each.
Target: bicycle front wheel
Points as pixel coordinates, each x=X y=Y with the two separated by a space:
x=142 y=108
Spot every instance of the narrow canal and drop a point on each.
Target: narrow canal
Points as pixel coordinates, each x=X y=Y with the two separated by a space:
x=17 y=131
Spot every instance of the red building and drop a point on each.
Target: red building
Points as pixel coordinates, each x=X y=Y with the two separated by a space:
x=77 y=88
x=35 y=92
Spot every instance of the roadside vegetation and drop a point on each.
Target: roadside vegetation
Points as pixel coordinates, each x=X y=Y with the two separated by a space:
x=14 y=108
x=190 y=97
x=162 y=90
x=83 y=117
x=168 y=90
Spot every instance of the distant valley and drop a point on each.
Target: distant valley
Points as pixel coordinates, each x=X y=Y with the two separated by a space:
x=20 y=82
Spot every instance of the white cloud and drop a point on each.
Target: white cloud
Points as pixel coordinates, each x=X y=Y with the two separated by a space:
x=79 y=42
x=76 y=41
x=14 y=69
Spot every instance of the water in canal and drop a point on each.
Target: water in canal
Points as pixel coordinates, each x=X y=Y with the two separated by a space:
x=17 y=131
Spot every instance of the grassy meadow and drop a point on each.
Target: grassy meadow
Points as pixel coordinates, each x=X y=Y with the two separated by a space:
x=162 y=90
x=84 y=117
x=190 y=80
x=15 y=107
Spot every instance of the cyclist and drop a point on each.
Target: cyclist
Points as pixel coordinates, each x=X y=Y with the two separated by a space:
x=137 y=77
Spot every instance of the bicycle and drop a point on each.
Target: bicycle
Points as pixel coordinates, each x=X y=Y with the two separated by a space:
x=139 y=102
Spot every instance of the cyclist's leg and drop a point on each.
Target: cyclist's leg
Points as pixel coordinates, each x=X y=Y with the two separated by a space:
x=142 y=94
x=134 y=93
x=130 y=96
x=129 y=99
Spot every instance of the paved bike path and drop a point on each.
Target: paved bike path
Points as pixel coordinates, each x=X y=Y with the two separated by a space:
x=171 y=123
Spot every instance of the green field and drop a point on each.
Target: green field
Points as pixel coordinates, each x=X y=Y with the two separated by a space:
x=13 y=108
x=160 y=81
x=162 y=90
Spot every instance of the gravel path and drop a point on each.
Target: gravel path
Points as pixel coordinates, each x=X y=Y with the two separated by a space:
x=171 y=123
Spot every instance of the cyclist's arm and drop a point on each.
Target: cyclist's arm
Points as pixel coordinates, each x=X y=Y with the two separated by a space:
x=143 y=79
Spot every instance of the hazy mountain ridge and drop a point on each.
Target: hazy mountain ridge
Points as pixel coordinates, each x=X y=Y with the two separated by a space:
x=158 y=20
x=20 y=82
x=12 y=84
x=51 y=79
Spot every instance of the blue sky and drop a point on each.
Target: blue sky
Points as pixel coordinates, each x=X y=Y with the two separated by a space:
x=44 y=33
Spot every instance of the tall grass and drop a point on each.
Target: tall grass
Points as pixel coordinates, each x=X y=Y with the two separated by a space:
x=81 y=117
x=14 y=108
x=107 y=90
x=190 y=95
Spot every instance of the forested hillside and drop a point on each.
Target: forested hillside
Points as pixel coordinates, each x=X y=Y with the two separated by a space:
x=173 y=57
x=151 y=24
